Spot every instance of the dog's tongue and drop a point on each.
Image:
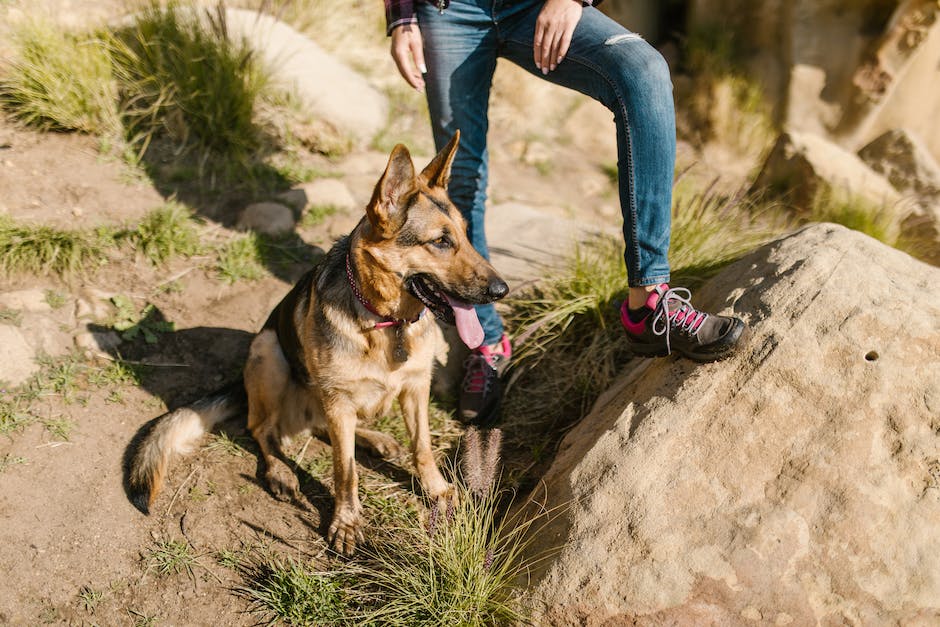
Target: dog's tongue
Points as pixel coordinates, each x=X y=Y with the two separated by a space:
x=468 y=325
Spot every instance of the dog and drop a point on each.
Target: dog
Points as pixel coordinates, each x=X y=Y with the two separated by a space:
x=353 y=335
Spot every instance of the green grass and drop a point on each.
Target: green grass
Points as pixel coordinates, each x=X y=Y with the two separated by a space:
x=171 y=557
x=165 y=233
x=60 y=81
x=13 y=317
x=116 y=373
x=59 y=427
x=298 y=593
x=314 y=215
x=90 y=598
x=9 y=460
x=855 y=212
x=229 y=445
x=241 y=259
x=41 y=250
x=185 y=78
x=148 y=323
x=55 y=299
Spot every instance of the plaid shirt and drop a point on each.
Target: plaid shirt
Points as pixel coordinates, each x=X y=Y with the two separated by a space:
x=398 y=12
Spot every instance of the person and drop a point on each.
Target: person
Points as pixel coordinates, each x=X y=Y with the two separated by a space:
x=449 y=49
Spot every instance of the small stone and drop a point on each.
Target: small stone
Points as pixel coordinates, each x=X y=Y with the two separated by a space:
x=752 y=613
x=18 y=363
x=77 y=212
x=296 y=198
x=329 y=192
x=104 y=341
x=270 y=218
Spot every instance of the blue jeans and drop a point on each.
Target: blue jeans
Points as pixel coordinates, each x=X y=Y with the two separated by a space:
x=605 y=61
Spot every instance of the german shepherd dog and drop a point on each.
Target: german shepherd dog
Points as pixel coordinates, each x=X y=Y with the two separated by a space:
x=349 y=338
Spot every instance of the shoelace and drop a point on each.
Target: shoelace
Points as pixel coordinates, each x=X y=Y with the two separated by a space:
x=476 y=380
x=685 y=317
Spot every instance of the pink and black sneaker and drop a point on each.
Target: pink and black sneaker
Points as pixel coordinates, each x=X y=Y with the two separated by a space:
x=668 y=323
x=481 y=392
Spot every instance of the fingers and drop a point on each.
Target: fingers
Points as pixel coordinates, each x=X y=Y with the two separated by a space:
x=553 y=33
x=408 y=54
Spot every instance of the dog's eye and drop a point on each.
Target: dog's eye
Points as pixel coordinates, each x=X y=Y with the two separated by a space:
x=442 y=243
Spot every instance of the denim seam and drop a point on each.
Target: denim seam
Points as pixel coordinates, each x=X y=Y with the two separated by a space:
x=631 y=272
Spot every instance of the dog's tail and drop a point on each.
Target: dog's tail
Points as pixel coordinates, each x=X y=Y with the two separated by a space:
x=175 y=432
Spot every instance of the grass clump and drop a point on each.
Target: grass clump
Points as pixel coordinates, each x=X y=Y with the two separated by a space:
x=60 y=81
x=172 y=557
x=460 y=567
x=855 y=212
x=457 y=566
x=298 y=594
x=183 y=76
x=9 y=460
x=164 y=233
x=241 y=258
x=711 y=230
x=26 y=249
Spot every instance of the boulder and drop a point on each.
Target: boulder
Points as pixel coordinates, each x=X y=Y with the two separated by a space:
x=905 y=161
x=846 y=70
x=797 y=483
x=270 y=218
x=327 y=87
x=907 y=164
x=801 y=164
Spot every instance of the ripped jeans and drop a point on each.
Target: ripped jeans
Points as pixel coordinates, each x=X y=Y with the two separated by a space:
x=605 y=61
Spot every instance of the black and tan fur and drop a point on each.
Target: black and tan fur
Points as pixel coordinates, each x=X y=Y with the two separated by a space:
x=319 y=365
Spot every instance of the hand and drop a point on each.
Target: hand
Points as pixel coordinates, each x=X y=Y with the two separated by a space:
x=553 y=30
x=408 y=53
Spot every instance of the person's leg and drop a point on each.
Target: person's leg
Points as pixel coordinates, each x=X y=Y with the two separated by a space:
x=631 y=78
x=460 y=50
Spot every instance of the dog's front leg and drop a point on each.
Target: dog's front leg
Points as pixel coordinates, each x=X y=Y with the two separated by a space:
x=414 y=404
x=346 y=528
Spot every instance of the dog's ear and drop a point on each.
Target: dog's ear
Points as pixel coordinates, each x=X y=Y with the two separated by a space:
x=386 y=210
x=437 y=174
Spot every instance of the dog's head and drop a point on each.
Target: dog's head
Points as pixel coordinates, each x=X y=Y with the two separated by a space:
x=416 y=234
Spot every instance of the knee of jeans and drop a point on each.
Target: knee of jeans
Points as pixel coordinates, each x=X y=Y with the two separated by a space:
x=641 y=65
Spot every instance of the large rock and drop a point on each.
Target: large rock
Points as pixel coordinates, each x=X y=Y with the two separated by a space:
x=905 y=161
x=849 y=70
x=330 y=89
x=801 y=164
x=910 y=168
x=796 y=483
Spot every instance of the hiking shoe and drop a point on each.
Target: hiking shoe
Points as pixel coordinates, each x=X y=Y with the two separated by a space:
x=481 y=392
x=670 y=324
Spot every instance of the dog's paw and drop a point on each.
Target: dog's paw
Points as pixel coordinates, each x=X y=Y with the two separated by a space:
x=283 y=483
x=445 y=498
x=345 y=532
x=386 y=446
